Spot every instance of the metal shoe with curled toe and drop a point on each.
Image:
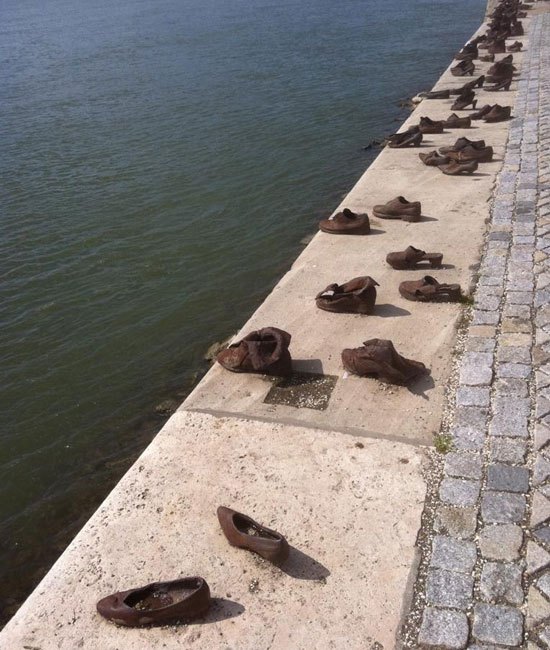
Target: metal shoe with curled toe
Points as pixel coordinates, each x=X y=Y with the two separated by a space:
x=411 y=257
x=379 y=358
x=399 y=208
x=264 y=352
x=243 y=532
x=428 y=289
x=346 y=223
x=356 y=296
x=433 y=159
x=158 y=602
x=455 y=122
x=454 y=168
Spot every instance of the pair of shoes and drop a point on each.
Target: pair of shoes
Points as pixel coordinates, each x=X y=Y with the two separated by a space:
x=427 y=125
x=515 y=47
x=463 y=68
x=188 y=598
x=412 y=137
x=465 y=150
x=428 y=289
x=493 y=113
x=350 y=223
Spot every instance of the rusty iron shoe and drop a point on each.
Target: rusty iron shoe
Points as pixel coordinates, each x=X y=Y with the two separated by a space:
x=455 y=122
x=498 y=113
x=454 y=168
x=497 y=47
x=489 y=58
x=411 y=257
x=356 y=296
x=263 y=351
x=427 y=125
x=409 y=138
x=243 y=532
x=398 y=208
x=462 y=143
x=346 y=223
x=433 y=159
x=469 y=154
x=379 y=358
x=469 y=86
x=428 y=289
x=158 y=602
x=503 y=85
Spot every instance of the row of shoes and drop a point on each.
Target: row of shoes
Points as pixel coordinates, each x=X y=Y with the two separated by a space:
x=189 y=597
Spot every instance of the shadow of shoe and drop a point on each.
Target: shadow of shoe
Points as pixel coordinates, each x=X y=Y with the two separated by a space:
x=424 y=218
x=221 y=609
x=312 y=366
x=389 y=311
x=421 y=384
x=301 y=566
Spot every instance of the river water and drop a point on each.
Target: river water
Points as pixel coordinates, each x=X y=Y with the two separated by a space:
x=162 y=161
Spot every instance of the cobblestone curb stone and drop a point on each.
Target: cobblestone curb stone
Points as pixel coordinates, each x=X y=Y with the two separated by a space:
x=486 y=573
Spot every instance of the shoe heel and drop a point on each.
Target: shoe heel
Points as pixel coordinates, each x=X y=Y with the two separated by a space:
x=474 y=104
x=507 y=86
x=435 y=262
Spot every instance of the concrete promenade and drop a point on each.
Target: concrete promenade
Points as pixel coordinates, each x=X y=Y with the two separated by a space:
x=392 y=543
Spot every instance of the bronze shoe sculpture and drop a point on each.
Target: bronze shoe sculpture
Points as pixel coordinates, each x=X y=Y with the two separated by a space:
x=427 y=125
x=454 y=168
x=398 y=208
x=346 y=223
x=244 y=532
x=498 y=113
x=411 y=257
x=409 y=138
x=455 y=122
x=428 y=289
x=487 y=57
x=467 y=87
x=356 y=296
x=462 y=143
x=433 y=159
x=463 y=68
x=497 y=47
x=515 y=47
x=379 y=358
x=158 y=602
x=464 y=100
x=503 y=85
x=438 y=94
x=469 y=154
x=480 y=114
x=264 y=352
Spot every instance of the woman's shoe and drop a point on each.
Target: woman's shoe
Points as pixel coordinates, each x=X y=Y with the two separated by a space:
x=433 y=159
x=467 y=87
x=346 y=223
x=428 y=289
x=264 y=352
x=244 y=532
x=356 y=296
x=498 y=113
x=455 y=122
x=411 y=257
x=463 y=101
x=437 y=94
x=455 y=168
x=398 y=208
x=470 y=154
x=503 y=85
x=379 y=358
x=159 y=602
x=487 y=57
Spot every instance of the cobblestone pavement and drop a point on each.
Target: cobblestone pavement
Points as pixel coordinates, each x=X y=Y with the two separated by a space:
x=486 y=576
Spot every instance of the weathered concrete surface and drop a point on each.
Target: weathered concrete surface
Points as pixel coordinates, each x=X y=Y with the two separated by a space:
x=350 y=513
x=456 y=210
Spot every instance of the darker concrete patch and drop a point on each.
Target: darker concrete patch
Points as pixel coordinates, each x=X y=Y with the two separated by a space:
x=303 y=390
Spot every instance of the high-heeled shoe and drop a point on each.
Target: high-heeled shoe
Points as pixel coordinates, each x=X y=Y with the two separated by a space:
x=463 y=101
x=503 y=85
x=470 y=85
